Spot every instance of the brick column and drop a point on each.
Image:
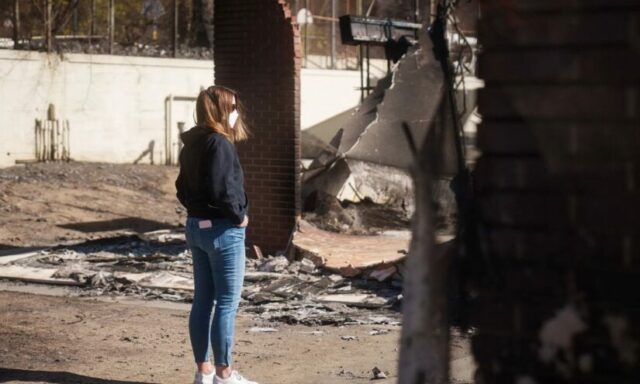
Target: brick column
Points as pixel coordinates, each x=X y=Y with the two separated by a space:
x=558 y=192
x=257 y=53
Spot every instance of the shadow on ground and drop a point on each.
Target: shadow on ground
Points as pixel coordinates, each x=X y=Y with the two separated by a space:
x=131 y=223
x=8 y=374
x=7 y=249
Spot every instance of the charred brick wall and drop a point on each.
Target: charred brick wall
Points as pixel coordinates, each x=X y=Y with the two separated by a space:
x=558 y=192
x=257 y=53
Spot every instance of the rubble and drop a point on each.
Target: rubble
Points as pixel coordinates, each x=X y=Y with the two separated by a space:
x=307 y=266
x=378 y=374
x=254 y=252
x=382 y=274
x=277 y=264
x=356 y=300
x=157 y=265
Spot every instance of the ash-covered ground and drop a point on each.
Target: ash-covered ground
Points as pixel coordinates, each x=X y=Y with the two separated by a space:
x=112 y=234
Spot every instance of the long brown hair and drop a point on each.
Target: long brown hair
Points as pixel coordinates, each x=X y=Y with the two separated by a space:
x=213 y=107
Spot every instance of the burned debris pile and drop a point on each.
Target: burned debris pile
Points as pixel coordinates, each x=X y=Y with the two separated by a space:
x=157 y=265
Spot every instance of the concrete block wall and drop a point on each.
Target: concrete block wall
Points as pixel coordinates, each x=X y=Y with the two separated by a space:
x=558 y=192
x=257 y=53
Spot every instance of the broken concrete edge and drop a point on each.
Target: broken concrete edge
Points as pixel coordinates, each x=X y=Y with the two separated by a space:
x=356 y=300
x=51 y=281
x=305 y=249
x=373 y=270
x=10 y=257
x=379 y=269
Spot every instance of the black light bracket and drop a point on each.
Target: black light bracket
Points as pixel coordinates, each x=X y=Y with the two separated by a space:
x=356 y=30
x=396 y=36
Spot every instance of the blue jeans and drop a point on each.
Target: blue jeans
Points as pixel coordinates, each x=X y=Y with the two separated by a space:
x=218 y=273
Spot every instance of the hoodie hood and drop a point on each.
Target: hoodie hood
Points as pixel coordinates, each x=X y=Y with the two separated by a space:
x=195 y=135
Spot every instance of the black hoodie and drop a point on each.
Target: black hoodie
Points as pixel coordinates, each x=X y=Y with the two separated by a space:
x=211 y=182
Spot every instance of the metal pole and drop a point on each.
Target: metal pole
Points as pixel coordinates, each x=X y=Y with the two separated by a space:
x=360 y=54
x=175 y=28
x=370 y=8
x=111 y=17
x=361 y=59
x=93 y=15
x=168 y=105
x=306 y=6
x=333 y=34
x=74 y=20
x=16 y=24
x=48 y=26
x=368 y=70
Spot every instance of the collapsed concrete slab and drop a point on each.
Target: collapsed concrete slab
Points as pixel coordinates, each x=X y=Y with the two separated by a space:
x=349 y=255
x=413 y=97
x=375 y=148
x=376 y=257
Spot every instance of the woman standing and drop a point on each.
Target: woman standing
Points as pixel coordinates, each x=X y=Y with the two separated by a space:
x=210 y=186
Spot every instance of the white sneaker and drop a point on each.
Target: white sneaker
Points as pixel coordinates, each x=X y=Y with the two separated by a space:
x=202 y=378
x=235 y=378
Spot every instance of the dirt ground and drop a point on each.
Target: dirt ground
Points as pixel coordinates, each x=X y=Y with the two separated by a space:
x=50 y=335
x=52 y=203
x=51 y=339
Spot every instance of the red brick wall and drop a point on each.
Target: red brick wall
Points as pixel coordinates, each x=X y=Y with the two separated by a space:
x=257 y=53
x=558 y=189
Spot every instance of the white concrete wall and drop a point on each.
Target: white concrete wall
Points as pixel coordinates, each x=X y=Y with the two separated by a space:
x=325 y=93
x=115 y=104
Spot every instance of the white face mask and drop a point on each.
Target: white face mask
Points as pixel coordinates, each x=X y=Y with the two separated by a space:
x=233 y=117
